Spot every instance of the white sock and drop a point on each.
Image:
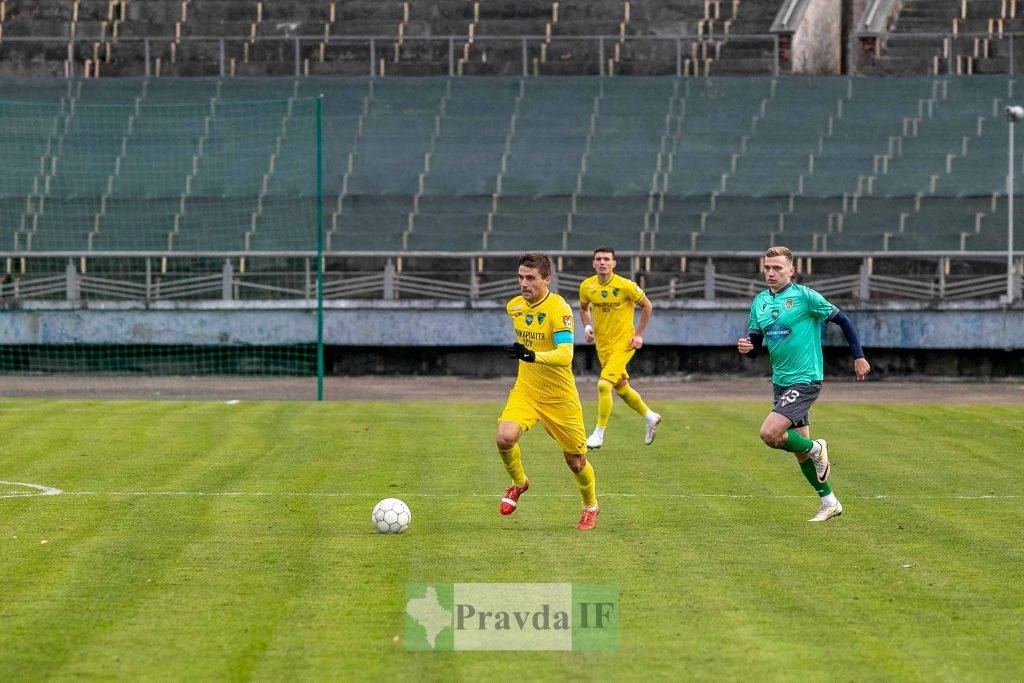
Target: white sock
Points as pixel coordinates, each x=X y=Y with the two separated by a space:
x=651 y=416
x=830 y=499
x=599 y=431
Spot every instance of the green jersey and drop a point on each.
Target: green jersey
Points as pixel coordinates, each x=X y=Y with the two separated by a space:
x=791 y=321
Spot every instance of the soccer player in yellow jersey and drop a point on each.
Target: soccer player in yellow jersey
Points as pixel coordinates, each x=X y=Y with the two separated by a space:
x=545 y=390
x=609 y=300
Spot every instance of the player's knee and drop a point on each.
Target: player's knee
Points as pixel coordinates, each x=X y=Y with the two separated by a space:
x=506 y=439
x=772 y=438
x=575 y=462
x=621 y=384
x=504 y=443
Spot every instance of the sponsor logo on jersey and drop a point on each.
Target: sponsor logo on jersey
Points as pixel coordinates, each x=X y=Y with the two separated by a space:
x=540 y=318
x=528 y=337
x=517 y=307
x=789 y=304
x=529 y=318
x=777 y=332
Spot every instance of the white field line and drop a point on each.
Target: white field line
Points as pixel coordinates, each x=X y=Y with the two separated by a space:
x=34 y=490
x=329 y=494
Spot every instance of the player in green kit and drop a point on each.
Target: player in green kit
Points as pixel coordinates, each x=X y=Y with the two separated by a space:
x=788 y=318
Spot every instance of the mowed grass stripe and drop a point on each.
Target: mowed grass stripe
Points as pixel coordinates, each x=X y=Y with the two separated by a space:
x=273 y=587
x=128 y=541
x=113 y=565
x=53 y=445
x=215 y=570
x=104 y=574
x=925 y=446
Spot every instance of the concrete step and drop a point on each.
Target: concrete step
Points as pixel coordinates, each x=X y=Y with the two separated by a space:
x=908 y=66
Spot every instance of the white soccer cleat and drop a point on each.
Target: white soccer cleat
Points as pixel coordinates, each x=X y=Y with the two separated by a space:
x=822 y=467
x=652 y=428
x=827 y=512
x=595 y=440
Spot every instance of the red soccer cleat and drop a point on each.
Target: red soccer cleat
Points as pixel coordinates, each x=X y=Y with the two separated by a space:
x=511 y=499
x=588 y=518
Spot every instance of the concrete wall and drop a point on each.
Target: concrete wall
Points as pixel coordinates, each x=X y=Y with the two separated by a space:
x=457 y=324
x=856 y=14
x=817 y=43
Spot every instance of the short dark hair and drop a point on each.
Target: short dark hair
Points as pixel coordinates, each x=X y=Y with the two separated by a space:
x=607 y=249
x=534 y=259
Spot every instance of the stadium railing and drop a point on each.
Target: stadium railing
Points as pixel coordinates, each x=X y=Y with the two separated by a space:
x=289 y=278
x=681 y=48
x=953 y=53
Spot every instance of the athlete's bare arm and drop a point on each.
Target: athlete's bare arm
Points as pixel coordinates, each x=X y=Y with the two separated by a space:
x=588 y=330
x=646 y=308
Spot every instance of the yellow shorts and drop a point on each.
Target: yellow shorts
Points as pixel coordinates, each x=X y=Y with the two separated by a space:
x=614 y=362
x=562 y=420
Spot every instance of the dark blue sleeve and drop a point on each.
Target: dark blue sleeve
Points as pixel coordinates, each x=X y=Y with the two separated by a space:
x=757 y=339
x=846 y=325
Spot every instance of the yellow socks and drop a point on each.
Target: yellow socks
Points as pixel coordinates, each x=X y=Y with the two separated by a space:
x=587 y=484
x=604 y=402
x=632 y=399
x=514 y=465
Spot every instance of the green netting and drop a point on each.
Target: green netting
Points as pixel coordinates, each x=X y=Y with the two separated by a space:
x=183 y=187
x=156 y=176
x=444 y=147
x=160 y=359
x=189 y=179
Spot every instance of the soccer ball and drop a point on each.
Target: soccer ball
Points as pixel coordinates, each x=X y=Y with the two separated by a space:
x=391 y=516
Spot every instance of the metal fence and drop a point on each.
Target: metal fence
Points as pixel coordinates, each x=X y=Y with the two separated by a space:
x=304 y=50
x=291 y=276
x=953 y=53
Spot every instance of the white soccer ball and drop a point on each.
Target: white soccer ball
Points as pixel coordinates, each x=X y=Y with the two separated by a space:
x=391 y=516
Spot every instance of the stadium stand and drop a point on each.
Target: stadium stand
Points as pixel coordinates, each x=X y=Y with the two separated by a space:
x=438 y=164
x=948 y=37
x=411 y=37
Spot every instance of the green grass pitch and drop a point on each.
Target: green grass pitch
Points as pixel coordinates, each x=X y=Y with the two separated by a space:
x=720 y=575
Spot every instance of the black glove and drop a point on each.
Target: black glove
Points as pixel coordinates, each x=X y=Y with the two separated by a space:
x=520 y=352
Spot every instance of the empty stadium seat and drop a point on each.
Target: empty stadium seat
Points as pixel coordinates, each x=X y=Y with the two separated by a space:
x=429 y=163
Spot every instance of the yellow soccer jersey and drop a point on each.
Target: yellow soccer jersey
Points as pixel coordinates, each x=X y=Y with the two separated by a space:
x=536 y=327
x=611 y=309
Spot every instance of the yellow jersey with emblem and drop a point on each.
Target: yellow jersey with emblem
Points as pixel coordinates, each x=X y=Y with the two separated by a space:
x=536 y=327
x=611 y=309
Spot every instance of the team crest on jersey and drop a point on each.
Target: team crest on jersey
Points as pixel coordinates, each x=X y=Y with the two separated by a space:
x=789 y=304
x=567 y=320
x=604 y=293
x=529 y=318
x=775 y=315
x=540 y=318
x=615 y=292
